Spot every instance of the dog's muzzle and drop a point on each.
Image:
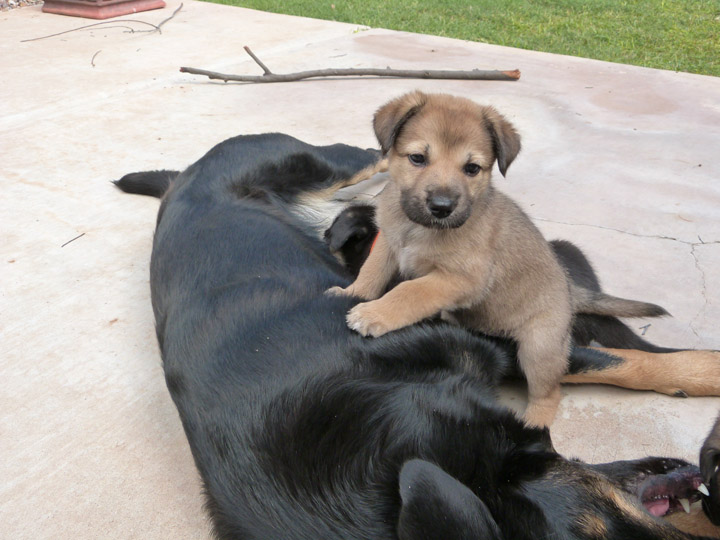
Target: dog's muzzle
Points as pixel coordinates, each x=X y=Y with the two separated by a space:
x=436 y=210
x=441 y=206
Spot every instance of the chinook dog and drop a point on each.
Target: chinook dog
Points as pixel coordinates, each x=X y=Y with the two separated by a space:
x=464 y=249
x=301 y=428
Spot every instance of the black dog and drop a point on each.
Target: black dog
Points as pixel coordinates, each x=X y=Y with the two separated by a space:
x=302 y=429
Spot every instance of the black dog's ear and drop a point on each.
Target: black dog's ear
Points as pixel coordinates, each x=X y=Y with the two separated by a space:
x=390 y=118
x=354 y=224
x=506 y=141
x=351 y=235
x=436 y=505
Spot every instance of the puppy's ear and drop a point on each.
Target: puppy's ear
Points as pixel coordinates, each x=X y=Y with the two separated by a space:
x=390 y=118
x=436 y=505
x=506 y=141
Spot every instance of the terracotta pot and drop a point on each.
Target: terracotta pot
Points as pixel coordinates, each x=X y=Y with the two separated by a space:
x=100 y=9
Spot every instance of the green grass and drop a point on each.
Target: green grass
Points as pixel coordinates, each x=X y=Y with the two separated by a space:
x=679 y=35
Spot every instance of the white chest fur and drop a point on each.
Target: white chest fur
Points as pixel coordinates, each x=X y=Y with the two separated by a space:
x=410 y=244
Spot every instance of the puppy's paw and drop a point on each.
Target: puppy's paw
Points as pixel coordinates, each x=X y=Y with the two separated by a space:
x=367 y=321
x=540 y=412
x=338 y=291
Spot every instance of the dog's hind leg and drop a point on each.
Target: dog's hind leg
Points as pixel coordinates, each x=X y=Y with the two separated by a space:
x=542 y=407
x=542 y=355
x=681 y=373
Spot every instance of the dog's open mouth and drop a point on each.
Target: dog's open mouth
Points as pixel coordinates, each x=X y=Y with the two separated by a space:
x=675 y=491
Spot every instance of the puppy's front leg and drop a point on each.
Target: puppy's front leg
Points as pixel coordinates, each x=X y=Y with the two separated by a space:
x=408 y=303
x=375 y=273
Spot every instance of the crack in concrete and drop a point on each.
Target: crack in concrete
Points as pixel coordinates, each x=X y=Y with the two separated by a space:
x=693 y=254
x=703 y=289
x=655 y=236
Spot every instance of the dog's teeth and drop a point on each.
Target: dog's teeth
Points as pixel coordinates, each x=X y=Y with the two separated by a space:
x=685 y=504
x=702 y=488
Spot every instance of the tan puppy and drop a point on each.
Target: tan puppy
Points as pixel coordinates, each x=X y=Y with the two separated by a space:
x=466 y=249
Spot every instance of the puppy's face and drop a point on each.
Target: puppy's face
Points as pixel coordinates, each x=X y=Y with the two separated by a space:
x=441 y=151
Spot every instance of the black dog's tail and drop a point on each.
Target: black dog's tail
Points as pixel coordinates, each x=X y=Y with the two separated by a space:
x=152 y=183
x=612 y=333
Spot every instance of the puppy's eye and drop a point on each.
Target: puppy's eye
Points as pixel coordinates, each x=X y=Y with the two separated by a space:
x=417 y=159
x=471 y=169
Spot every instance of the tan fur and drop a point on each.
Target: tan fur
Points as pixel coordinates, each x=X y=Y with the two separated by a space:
x=696 y=522
x=485 y=263
x=692 y=373
x=592 y=526
x=368 y=172
x=316 y=208
x=326 y=194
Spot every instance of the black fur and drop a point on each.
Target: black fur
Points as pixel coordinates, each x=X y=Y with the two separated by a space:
x=302 y=429
x=351 y=235
x=152 y=183
x=710 y=467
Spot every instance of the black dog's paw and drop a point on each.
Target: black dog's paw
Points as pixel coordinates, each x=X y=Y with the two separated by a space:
x=351 y=235
x=710 y=469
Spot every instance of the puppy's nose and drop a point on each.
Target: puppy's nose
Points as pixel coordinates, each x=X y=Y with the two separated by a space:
x=441 y=206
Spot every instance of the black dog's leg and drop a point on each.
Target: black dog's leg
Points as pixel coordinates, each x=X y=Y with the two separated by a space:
x=666 y=373
x=610 y=332
x=709 y=466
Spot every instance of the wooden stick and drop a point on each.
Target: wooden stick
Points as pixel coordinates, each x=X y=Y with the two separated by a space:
x=270 y=77
x=475 y=74
x=73 y=239
x=257 y=60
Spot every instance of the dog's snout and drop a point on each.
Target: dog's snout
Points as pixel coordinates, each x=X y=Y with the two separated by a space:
x=441 y=206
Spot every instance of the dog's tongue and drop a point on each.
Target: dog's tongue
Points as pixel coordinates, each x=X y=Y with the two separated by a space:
x=658 y=507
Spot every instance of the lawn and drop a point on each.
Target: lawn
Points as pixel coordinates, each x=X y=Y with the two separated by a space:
x=679 y=35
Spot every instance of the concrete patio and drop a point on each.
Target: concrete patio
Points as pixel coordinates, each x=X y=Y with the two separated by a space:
x=622 y=160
